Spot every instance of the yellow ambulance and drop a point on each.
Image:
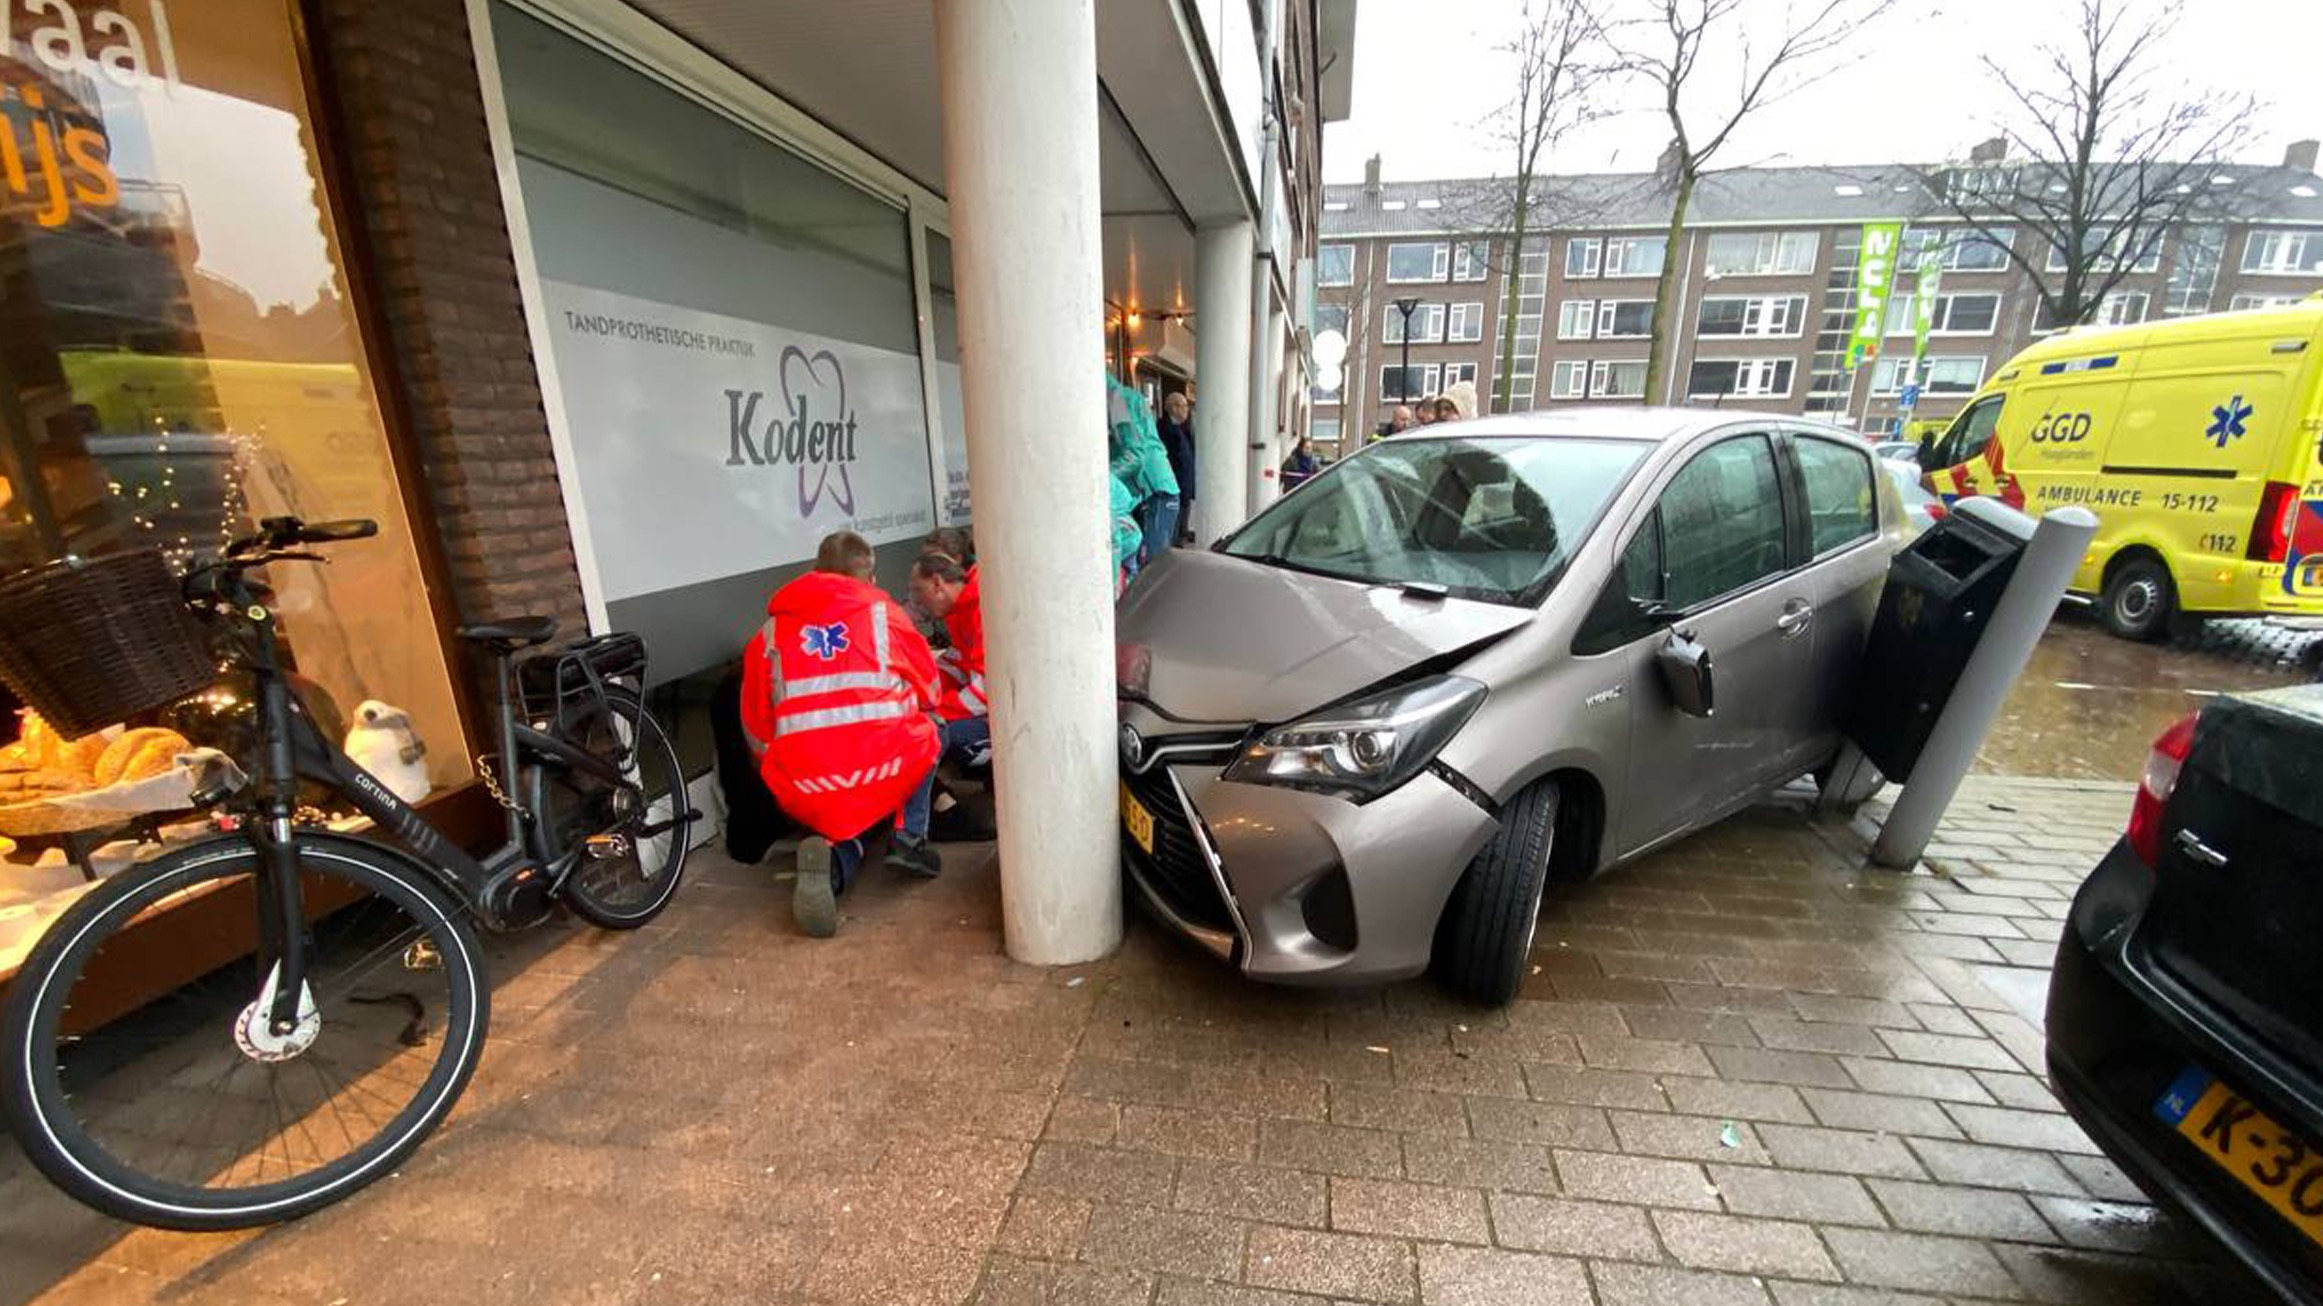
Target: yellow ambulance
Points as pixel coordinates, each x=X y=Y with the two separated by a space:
x=2194 y=440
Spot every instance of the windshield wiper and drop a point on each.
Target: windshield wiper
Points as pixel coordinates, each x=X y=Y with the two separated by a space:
x=1290 y=564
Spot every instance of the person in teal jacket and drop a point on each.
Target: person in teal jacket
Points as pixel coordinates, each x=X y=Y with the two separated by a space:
x=1126 y=535
x=1142 y=462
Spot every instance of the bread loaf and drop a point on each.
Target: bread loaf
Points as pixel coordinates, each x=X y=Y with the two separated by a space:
x=39 y=742
x=79 y=756
x=138 y=754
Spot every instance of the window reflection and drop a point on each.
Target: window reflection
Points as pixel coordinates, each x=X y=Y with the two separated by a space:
x=178 y=355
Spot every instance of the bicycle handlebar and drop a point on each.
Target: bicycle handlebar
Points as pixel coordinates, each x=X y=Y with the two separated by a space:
x=282 y=532
x=274 y=542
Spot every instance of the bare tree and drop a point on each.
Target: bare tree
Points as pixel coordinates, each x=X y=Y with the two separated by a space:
x=1360 y=300
x=2112 y=151
x=1560 y=57
x=1663 y=43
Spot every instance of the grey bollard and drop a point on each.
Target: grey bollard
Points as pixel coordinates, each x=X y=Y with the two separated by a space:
x=2050 y=559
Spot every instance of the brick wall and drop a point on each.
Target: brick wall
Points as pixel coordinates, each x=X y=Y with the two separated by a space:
x=402 y=96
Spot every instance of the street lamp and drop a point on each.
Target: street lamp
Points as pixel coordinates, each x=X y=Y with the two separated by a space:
x=1403 y=374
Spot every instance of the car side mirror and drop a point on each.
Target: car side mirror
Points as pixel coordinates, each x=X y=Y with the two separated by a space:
x=1685 y=668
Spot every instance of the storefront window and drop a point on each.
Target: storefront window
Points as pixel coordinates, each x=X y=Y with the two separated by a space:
x=944 y=302
x=178 y=353
x=734 y=342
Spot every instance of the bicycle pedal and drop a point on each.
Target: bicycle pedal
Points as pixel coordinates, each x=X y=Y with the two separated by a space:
x=606 y=847
x=423 y=956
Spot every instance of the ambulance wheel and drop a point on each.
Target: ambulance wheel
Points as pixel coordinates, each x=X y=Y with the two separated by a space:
x=2138 y=600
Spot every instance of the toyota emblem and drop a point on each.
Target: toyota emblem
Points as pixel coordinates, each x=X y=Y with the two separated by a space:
x=1132 y=747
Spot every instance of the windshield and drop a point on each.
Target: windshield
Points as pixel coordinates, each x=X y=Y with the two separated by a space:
x=1484 y=518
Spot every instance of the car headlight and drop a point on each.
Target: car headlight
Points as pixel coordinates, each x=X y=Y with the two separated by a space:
x=1363 y=749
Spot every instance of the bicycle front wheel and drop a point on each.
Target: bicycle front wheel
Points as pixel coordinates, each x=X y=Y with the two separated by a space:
x=190 y=1112
x=632 y=839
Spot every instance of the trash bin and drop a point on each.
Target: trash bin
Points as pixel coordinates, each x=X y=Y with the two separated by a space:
x=1940 y=592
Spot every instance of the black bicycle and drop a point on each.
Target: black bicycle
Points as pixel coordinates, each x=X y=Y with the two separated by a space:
x=341 y=1002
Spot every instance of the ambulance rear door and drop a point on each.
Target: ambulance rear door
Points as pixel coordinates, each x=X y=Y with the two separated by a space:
x=2195 y=443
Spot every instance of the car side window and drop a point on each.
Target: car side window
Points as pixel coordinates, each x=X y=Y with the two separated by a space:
x=1842 y=503
x=1722 y=523
x=1641 y=562
x=1626 y=608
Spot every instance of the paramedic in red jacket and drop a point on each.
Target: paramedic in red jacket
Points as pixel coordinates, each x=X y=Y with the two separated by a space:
x=837 y=692
x=948 y=592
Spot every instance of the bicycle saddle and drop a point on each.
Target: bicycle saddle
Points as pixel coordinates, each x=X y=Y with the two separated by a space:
x=512 y=632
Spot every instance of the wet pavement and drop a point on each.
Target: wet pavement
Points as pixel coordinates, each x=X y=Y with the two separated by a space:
x=2089 y=705
x=1747 y=1070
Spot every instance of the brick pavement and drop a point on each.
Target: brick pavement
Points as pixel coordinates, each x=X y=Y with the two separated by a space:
x=1745 y=1071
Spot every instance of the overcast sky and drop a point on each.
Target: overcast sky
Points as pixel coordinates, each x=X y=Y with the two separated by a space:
x=1911 y=88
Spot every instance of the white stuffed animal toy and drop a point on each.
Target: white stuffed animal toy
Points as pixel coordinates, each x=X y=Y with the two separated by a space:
x=382 y=742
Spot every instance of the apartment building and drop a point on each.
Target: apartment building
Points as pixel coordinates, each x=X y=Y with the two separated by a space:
x=1766 y=292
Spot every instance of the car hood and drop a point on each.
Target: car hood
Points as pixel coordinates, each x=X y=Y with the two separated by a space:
x=1236 y=641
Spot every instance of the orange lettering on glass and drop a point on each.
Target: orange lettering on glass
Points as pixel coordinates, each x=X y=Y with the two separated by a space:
x=55 y=156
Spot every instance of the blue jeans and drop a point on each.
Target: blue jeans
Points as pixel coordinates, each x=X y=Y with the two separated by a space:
x=967 y=741
x=1158 y=518
x=847 y=854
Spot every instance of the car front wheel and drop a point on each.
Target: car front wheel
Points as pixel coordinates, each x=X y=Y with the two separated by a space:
x=1486 y=933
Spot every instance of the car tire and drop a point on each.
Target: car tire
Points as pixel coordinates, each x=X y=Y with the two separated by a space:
x=1485 y=936
x=2139 y=599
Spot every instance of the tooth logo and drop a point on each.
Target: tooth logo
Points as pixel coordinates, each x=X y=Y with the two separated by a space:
x=813 y=429
x=799 y=389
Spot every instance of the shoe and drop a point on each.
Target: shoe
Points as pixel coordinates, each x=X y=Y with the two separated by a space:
x=915 y=858
x=814 y=904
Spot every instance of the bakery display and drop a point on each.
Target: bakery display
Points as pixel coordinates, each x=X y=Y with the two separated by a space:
x=43 y=766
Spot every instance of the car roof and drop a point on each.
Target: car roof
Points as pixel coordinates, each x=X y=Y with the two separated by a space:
x=1609 y=422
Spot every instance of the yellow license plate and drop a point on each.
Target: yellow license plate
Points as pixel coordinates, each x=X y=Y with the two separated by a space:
x=1137 y=820
x=2285 y=1170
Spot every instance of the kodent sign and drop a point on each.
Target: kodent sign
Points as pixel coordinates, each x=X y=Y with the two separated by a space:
x=712 y=446
x=812 y=443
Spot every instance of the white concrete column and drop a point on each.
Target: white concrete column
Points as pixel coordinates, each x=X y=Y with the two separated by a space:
x=1222 y=374
x=1266 y=462
x=1019 y=80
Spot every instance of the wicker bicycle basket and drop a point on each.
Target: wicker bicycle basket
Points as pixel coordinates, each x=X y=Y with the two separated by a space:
x=91 y=641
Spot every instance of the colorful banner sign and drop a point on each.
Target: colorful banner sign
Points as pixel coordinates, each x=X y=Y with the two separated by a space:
x=1874 y=283
x=1930 y=284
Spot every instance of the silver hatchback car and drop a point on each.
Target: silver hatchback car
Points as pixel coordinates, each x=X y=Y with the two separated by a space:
x=1363 y=732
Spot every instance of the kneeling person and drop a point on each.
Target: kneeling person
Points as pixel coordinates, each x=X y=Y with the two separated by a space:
x=951 y=593
x=837 y=691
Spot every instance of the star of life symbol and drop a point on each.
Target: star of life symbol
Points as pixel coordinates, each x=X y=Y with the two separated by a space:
x=825 y=642
x=2229 y=418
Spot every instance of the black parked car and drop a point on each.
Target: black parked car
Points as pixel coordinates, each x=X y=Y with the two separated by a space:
x=2186 y=1012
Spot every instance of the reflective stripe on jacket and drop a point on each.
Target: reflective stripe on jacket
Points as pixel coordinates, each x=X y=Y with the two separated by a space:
x=836 y=691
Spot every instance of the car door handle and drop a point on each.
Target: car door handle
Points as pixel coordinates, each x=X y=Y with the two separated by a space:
x=1797 y=616
x=2197 y=851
